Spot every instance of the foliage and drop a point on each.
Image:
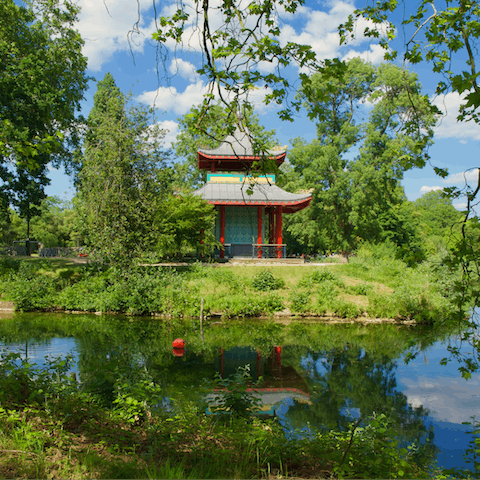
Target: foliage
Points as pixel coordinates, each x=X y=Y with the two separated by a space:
x=251 y=305
x=235 y=47
x=122 y=178
x=234 y=395
x=30 y=290
x=25 y=383
x=42 y=80
x=319 y=276
x=300 y=301
x=364 y=446
x=185 y=224
x=135 y=398
x=355 y=198
x=437 y=36
x=345 y=309
x=447 y=37
x=126 y=203
x=265 y=281
x=55 y=224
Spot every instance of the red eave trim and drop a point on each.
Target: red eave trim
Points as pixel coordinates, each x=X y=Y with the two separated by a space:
x=288 y=207
x=239 y=157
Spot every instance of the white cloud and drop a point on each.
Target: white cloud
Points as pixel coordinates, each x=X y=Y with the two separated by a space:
x=448 y=126
x=375 y=55
x=449 y=401
x=183 y=68
x=105 y=27
x=170 y=99
x=171 y=129
x=460 y=206
x=426 y=189
x=470 y=176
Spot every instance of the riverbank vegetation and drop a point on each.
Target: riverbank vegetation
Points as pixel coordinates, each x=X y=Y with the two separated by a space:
x=124 y=421
x=372 y=285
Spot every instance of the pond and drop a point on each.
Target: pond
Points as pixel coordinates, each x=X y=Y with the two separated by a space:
x=314 y=377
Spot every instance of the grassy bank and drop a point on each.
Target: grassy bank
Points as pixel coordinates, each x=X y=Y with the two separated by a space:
x=366 y=287
x=50 y=428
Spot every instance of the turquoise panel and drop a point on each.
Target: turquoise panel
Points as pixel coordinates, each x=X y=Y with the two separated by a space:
x=241 y=225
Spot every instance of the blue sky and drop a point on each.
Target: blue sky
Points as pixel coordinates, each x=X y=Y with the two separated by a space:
x=132 y=58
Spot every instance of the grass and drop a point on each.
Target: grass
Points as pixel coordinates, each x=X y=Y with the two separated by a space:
x=383 y=288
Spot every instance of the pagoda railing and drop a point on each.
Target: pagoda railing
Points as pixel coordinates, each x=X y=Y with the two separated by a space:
x=269 y=250
x=264 y=250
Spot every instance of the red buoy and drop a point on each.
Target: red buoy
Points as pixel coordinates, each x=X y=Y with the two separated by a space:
x=178 y=343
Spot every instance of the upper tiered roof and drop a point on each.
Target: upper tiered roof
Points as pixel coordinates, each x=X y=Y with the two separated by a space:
x=235 y=153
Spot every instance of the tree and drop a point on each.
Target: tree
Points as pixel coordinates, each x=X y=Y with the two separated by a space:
x=216 y=125
x=119 y=179
x=42 y=80
x=364 y=109
x=448 y=38
x=125 y=193
x=55 y=225
x=28 y=186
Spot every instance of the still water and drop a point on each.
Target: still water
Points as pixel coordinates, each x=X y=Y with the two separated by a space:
x=313 y=376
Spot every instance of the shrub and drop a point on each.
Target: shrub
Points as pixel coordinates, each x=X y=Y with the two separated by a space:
x=345 y=309
x=326 y=293
x=381 y=306
x=235 y=397
x=320 y=276
x=251 y=305
x=264 y=281
x=32 y=291
x=301 y=301
x=360 y=289
x=272 y=303
x=22 y=382
x=8 y=265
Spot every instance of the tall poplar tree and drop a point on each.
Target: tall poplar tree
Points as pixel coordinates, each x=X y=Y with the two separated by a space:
x=120 y=176
x=126 y=197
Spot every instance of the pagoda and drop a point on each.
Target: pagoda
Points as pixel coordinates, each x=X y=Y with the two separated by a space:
x=249 y=208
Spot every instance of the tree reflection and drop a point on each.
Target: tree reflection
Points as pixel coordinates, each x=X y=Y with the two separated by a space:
x=349 y=382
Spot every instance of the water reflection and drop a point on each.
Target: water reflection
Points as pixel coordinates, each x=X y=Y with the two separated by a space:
x=314 y=377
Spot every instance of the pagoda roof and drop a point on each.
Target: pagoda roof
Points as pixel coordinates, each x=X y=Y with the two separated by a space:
x=235 y=194
x=236 y=152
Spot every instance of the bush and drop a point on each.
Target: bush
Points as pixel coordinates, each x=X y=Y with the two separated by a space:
x=24 y=383
x=326 y=294
x=360 y=289
x=320 y=276
x=301 y=301
x=345 y=309
x=265 y=281
x=251 y=305
x=30 y=290
x=382 y=306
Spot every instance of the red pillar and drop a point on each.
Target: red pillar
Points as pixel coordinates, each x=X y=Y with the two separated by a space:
x=222 y=230
x=259 y=229
x=279 y=237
